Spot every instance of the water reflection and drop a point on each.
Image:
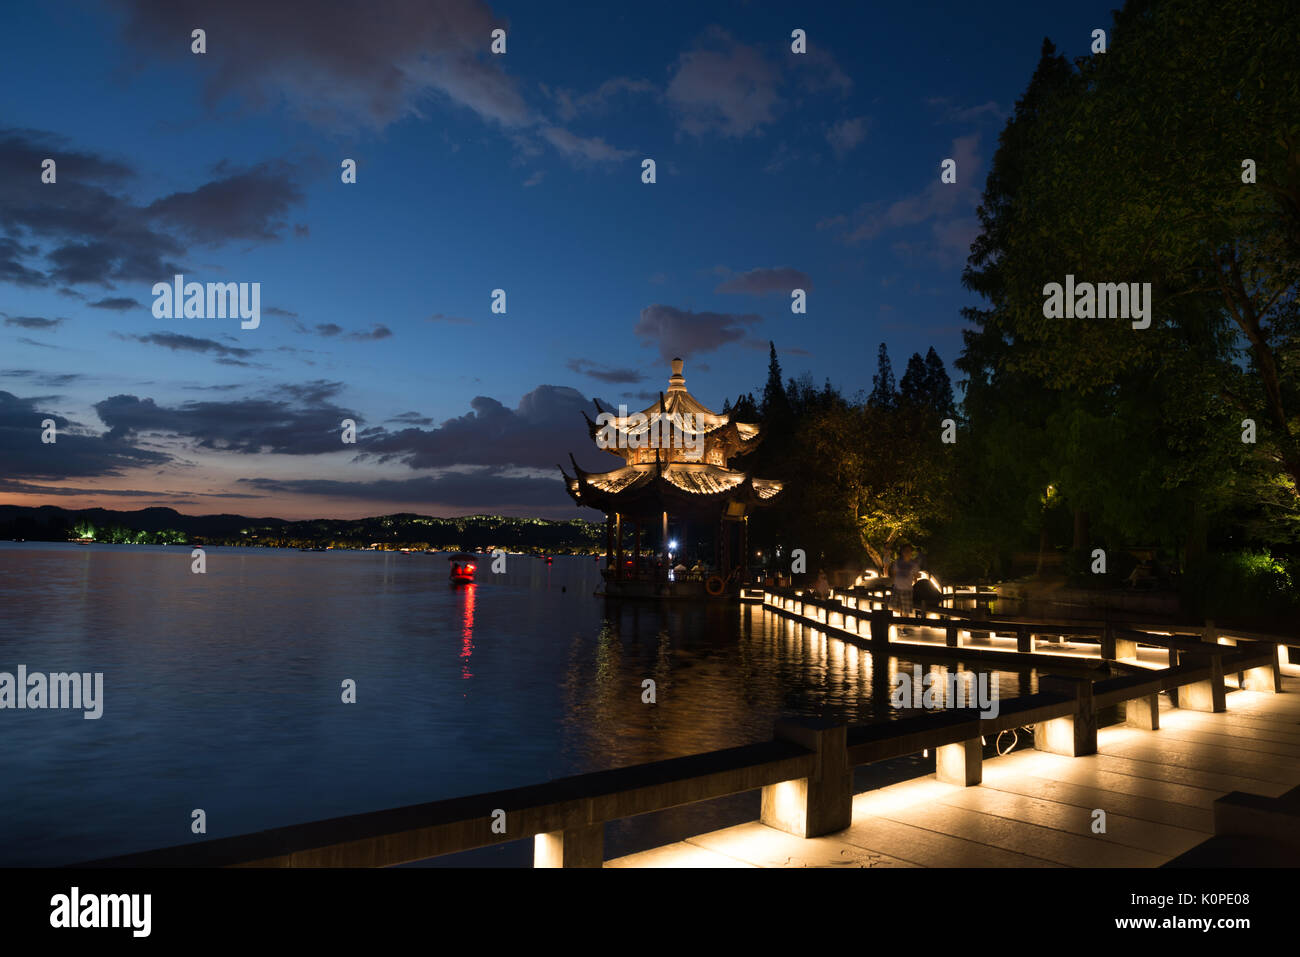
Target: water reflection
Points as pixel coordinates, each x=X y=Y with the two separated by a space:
x=467 y=631
x=722 y=676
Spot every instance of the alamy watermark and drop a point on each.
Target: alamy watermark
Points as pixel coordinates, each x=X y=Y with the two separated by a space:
x=214 y=300
x=75 y=909
x=56 y=690
x=959 y=689
x=1106 y=300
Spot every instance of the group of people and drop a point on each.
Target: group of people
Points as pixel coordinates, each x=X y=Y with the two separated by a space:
x=905 y=570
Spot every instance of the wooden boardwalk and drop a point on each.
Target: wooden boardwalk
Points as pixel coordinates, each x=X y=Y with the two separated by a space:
x=1035 y=809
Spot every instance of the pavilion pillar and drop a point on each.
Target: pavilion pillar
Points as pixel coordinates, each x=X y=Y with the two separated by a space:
x=744 y=551
x=609 y=541
x=636 y=551
x=618 y=541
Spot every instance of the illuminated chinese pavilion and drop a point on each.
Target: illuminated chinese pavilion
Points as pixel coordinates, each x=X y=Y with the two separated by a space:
x=675 y=478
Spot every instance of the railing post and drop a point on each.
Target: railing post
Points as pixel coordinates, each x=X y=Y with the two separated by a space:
x=1108 y=642
x=1208 y=695
x=951 y=635
x=1073 y=735
x=822 y=802
x=571 y=847
x=1024 y=638
x=961 y=763
x=880 y=626
x=1264 y=677
x=1143 y=712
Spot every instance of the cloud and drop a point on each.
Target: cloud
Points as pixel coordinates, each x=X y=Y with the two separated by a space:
x=32 y=322
x=88 y=232
x=604 y=373
x=250 y=204
x=454 y=320
x=328 y=329
x=179 y=343
x=947 y=207
x=74 y=455
x=14 y=271
x=593 y=150
x=536 y=434
x=783 y=157
x=277 y=311
x=380 y=331
x=952 y=114
x=761 y=282
x=117 y=304
x=291 y=420
x=570 y=105
x=820 y=72
x=43 y=378
x=681 y=333
x=32 y=342
x=412 y=418
x=344 y=66
x=845 y=135
x=730 y=89
x=536 y=178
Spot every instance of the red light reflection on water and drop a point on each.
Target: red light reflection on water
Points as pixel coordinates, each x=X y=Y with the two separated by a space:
x=467 y=632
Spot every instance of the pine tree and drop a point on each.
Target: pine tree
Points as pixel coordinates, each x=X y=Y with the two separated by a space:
x=938 y=385
x=915 y=387
x=884 y=393
x=776 y=403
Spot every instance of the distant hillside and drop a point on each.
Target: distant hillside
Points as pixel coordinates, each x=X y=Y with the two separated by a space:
x=49 y=523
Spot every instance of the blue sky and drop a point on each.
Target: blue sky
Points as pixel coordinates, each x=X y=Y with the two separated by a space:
x=475 y=172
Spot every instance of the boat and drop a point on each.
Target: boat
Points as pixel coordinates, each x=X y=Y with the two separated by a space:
x=462 y=568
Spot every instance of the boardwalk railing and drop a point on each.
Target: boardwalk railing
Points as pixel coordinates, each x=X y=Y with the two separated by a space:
x=805 y=773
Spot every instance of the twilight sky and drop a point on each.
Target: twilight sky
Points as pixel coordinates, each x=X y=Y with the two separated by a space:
x=475 y=172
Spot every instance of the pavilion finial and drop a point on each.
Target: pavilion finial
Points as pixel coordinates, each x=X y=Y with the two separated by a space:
x=677 y=382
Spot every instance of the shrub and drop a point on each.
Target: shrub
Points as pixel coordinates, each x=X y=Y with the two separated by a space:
x=1249 y=585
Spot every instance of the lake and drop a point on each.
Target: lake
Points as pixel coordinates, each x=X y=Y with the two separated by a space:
x=223 y=691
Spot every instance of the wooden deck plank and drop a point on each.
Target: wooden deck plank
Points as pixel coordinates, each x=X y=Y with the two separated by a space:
x=1084 y=796
x=764 y=846
x=1230 y=725
x=681 y=854
x=1213 y=782
x=1163 y=839
x=927 y=848
x=1242 y=742
x=1021 y=837
x=1206 y=758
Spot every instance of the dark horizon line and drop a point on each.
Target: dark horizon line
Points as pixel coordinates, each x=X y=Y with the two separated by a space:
x=287 y=521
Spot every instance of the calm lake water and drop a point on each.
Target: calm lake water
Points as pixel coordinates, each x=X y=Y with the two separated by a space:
x=223 y=691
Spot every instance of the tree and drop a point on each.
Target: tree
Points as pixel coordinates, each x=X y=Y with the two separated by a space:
x=938 y=385
x=915 y=386
x=884 y=394
x=776 y=404
x=1127 y=170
